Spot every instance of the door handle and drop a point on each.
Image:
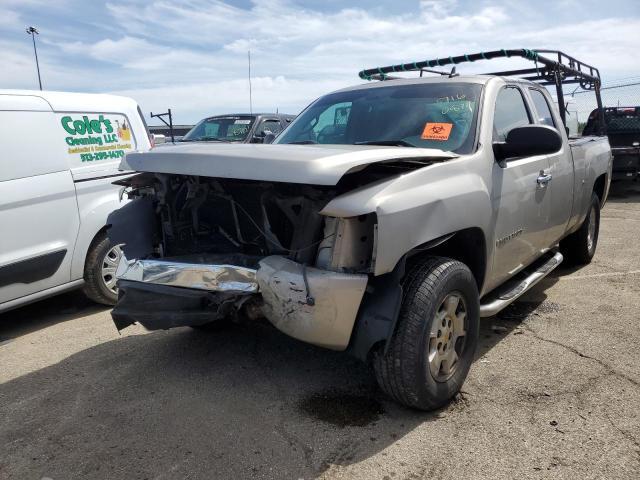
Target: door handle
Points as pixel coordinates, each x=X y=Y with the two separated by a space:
x=543 y=179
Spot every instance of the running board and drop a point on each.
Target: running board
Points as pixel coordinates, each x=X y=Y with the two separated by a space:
x=514 y=289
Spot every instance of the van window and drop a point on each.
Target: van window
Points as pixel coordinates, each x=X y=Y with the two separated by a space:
x=144 y=122
x=31 y=145
x=542 y=107
x=511 y=112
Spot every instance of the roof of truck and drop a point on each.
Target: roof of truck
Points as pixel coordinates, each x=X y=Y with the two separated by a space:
x=261 y=114
x=78 y=102
x=479 y=79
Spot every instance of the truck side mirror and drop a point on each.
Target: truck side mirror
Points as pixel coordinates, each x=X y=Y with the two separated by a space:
x=528 y=141
x=269 y=137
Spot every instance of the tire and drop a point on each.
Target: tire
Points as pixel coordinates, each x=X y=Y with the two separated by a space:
x=580 y=247
x=406 y=372
x=100 y=266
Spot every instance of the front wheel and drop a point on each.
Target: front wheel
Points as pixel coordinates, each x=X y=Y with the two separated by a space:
x=429 y=354
x=100 y=271
x=580 y=247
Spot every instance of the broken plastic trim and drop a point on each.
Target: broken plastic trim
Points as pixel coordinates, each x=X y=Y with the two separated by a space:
x=217 y=278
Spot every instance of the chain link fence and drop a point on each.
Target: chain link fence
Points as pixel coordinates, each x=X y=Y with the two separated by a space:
x=580 y=103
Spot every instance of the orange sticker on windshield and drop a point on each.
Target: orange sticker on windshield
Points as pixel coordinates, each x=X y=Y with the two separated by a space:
x=437 y=131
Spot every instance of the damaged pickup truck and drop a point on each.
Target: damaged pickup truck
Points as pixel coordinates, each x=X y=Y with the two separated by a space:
x=385 y=221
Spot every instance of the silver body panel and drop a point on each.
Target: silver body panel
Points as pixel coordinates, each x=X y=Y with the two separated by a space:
x=310 y=164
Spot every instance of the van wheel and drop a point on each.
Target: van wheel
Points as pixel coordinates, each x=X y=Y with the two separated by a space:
x=430 y=353
x=100 y=271
x=580 y=247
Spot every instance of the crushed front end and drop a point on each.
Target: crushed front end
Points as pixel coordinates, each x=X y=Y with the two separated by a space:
x=201 y=249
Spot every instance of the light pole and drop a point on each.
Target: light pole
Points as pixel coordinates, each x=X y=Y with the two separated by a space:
x=33 y=32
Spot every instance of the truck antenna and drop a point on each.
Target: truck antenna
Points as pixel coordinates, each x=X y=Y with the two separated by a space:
x=250 y=99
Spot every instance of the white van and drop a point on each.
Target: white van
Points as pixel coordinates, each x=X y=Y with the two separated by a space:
x=59 y=154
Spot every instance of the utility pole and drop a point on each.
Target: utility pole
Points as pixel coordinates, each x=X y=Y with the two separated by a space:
x=250 y=99
x=33 y=32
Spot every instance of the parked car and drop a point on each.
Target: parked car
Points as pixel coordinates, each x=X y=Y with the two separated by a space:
x=61 y=153
x=623 y=129
x=238 y=128
x=385 y=221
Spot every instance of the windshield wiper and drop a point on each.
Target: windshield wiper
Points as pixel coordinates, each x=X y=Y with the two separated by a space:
x=303 y=142
x=384 y=143
x=207 y=139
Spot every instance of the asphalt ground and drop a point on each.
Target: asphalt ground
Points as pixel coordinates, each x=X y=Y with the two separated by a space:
x=554 y=392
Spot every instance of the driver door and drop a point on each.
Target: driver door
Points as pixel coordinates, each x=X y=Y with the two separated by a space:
x=521 y=204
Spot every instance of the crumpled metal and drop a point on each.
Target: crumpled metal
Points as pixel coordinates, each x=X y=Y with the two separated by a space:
x=218 y=278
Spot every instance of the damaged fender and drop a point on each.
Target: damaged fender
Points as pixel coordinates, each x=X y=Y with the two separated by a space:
x=312 y=305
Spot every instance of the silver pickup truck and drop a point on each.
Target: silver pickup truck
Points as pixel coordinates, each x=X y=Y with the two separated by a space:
x=386 y=220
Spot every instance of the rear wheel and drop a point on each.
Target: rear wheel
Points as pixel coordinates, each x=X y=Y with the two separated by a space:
x=580 y=247
x=100 y=271
x=431 y=350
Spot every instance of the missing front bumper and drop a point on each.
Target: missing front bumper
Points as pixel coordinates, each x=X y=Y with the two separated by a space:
x=167 y=294
x=160 y=307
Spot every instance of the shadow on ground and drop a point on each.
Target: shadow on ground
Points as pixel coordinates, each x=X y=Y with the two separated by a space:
x=247 y=401
x=45 y=313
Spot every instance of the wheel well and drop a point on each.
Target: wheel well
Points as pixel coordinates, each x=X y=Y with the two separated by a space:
x=467 y=246
x=103 y=230
x=599 y=186
x=379 y=311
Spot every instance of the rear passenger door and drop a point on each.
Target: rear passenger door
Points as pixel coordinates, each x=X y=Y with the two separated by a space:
x=38 y=210
x=520 y=204
x=561 y=186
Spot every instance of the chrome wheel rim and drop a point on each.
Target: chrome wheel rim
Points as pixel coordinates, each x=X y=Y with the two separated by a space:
x=446 y=340
x=109 y=266
x=591 y=231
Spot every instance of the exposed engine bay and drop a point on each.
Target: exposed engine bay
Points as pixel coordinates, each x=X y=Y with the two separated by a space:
x=199 y=249
x=244 y=221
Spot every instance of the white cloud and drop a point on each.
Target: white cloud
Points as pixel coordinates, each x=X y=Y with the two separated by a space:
x=197 y=100
x=190 y=55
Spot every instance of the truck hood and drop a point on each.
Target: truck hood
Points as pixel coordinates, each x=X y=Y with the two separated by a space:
x=308 y=164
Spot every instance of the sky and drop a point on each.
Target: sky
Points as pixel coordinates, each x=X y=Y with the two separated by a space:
x=191 y=55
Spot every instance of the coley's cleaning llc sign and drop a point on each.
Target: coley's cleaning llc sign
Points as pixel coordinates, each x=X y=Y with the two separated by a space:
x=93 y=137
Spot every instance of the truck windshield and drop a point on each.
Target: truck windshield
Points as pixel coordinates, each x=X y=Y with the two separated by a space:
x=427 y=115
x=221 y=129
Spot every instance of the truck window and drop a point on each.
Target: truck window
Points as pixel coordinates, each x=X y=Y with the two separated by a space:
x=332 y=123
x=511 y=112
x=225 y=129
x=542 y=108
x=272 y=126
